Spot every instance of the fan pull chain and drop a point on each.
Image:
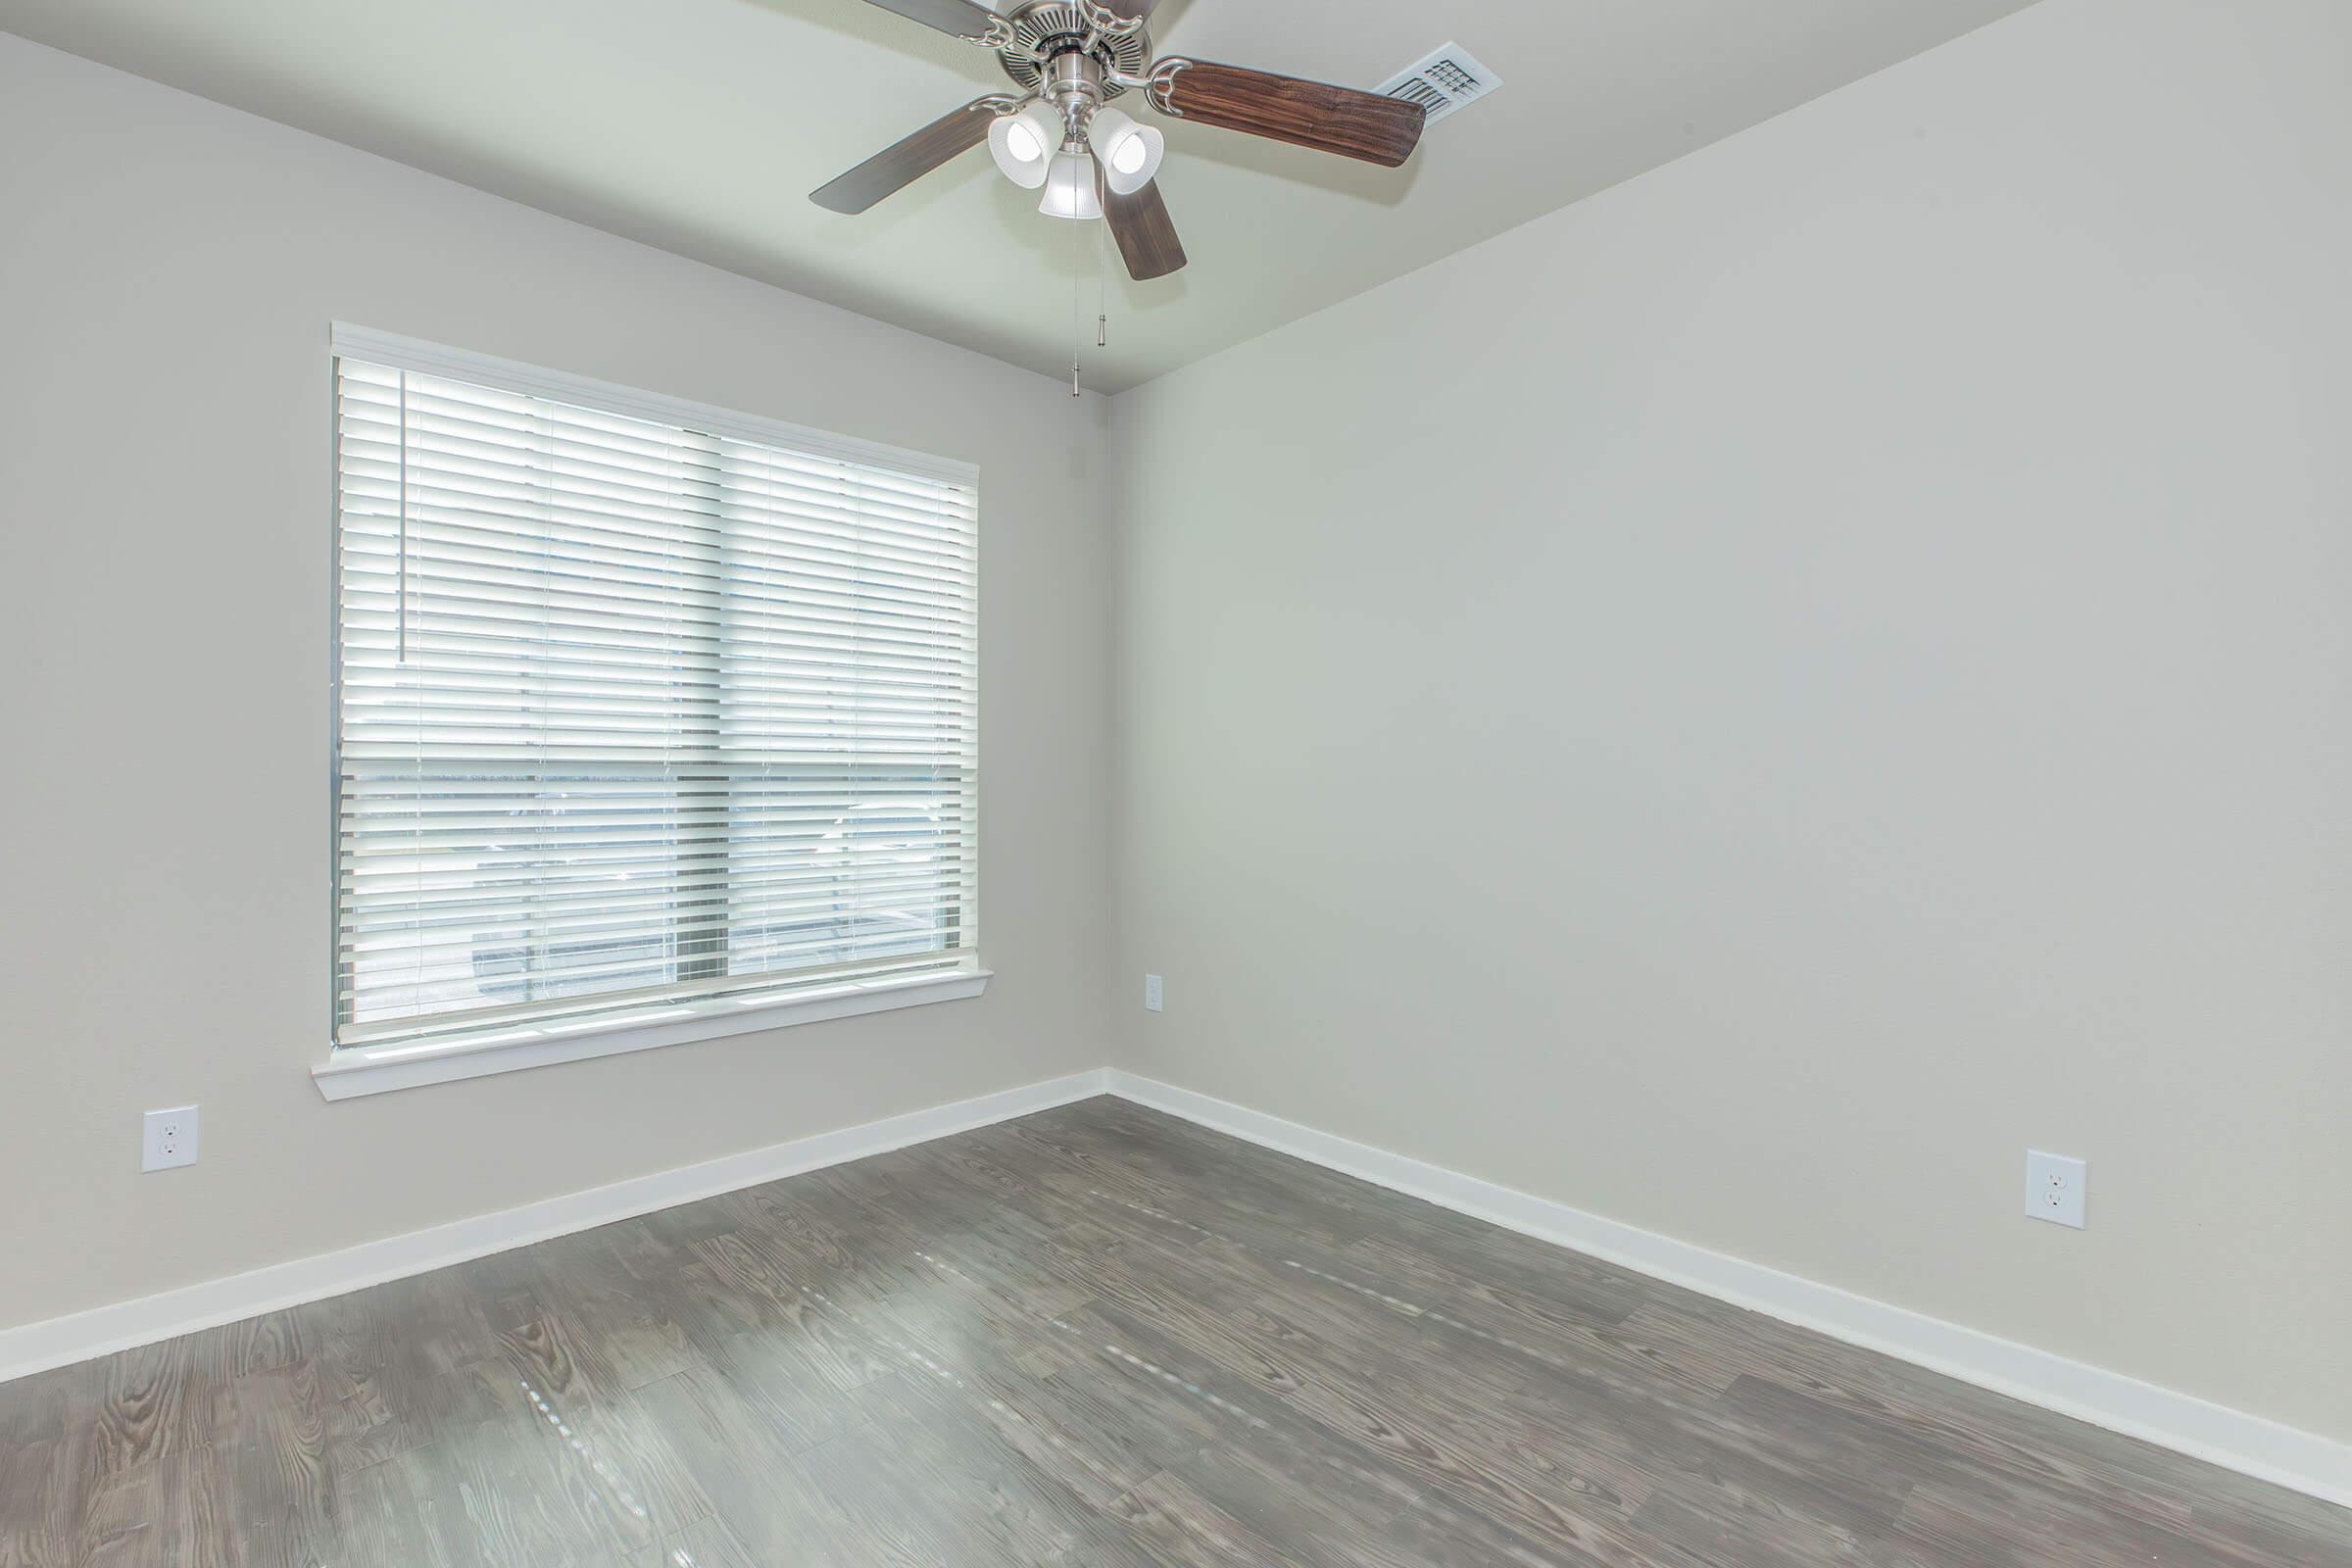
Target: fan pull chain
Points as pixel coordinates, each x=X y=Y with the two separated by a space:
x=1077 y=307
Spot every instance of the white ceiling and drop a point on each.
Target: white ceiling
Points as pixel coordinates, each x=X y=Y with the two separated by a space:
x=700 y=126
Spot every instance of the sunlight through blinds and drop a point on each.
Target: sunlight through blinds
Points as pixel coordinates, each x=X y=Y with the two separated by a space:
x=631 y=713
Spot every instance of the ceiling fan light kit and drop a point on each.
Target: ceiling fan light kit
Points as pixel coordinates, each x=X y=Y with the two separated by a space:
x=1069 y=58
x=1130 y=153
x=1023 y=144
x=1070 y=187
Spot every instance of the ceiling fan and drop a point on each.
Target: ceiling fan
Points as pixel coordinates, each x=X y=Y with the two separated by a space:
x=1059 y=134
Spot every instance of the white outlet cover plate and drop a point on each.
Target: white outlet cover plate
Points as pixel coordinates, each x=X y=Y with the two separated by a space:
x=1152 y=993
x=2057 y=1188
x=169 y=1139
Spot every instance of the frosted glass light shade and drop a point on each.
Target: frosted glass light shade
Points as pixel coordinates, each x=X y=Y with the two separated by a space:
x=1023 y=144
x=1071 y=188
x=1130 y=153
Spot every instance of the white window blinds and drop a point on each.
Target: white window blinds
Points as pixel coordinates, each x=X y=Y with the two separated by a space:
x=635 y=712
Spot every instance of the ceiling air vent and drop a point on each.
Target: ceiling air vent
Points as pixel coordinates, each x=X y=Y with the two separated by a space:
x=1446 y=80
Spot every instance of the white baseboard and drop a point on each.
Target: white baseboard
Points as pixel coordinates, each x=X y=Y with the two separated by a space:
x=100 y=1331
x=2233 y=1439
x=2250 y=1444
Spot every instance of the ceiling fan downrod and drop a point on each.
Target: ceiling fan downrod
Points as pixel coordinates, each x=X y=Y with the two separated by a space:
x=1074 y=83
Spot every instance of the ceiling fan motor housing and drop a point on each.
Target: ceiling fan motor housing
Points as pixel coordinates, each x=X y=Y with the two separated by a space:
x=1047 y=34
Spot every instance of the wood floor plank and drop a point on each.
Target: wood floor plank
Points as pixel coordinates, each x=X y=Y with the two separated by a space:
x=755 y=1471
x=152 y=1401
x=714 y=1544
x=1179 y=1528
x=1095 y=1336
x=944 y=1464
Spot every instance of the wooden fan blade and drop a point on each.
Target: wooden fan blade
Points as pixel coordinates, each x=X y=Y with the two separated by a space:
x=897 y=167
x=963 y=18
x=1146 y=236
x=1308 y=114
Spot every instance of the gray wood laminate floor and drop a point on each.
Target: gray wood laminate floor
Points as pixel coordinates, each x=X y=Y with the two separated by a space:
x=1095 y=1336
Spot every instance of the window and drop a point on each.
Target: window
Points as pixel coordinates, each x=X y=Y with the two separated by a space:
x=640 y=707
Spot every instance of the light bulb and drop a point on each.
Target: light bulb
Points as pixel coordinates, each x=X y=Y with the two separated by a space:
x=1023 y=144
x=1130 y=153
x=1071 y=188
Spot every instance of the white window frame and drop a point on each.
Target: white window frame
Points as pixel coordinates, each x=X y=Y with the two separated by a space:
x=356 y=1071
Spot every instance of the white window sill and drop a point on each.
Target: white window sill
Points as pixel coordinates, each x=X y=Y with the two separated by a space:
x=380 y=1069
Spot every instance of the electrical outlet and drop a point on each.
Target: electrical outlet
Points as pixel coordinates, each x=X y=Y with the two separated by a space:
x=2057 y=1187
x=171 y=1139
x=1152 y=993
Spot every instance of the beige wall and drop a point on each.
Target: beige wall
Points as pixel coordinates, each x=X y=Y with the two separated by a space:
x=168 y=271
x=1746 y=703
x=1739 y=706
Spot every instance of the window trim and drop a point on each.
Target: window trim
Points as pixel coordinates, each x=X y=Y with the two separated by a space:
x=350 y=1071
x=356 y=1070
